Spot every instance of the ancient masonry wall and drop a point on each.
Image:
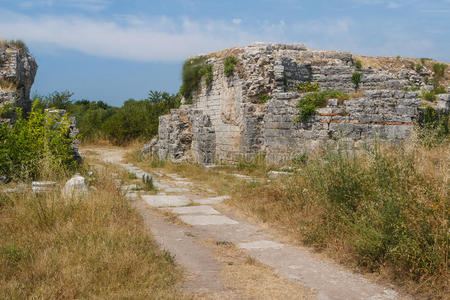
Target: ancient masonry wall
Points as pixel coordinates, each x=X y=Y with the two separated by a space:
x=227 y=121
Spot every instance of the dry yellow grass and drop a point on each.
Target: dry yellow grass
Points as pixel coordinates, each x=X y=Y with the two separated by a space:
x=95 y=247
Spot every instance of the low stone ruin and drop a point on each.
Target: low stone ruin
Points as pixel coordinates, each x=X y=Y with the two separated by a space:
x=228 y=120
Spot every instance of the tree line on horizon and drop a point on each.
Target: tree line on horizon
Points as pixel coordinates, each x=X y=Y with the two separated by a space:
x=97 y=120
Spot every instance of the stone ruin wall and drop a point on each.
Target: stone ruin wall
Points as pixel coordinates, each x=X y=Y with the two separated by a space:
x=227 y=122
x=17 y=69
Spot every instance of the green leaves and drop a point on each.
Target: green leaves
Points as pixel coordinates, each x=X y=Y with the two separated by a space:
x=309 y=104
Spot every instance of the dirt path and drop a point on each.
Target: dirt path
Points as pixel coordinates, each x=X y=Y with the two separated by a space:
x=206 y=229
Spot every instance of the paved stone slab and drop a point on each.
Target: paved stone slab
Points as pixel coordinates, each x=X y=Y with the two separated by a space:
x=195 y=210
x=165 y=200
x=207 y=220
x=260 y=245
x=213 y=200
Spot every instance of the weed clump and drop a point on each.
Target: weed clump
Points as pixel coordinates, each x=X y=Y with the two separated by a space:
x=358 y=64
x=309 y=104
x=229 y=64
x=308 y=86
x=264 y=98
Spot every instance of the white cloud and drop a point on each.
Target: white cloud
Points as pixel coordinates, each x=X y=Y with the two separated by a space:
x=88 y=5
x=126 y=36
x=393 y=5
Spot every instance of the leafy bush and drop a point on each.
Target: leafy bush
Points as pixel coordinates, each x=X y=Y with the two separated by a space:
x=428 y=95
x=433 y=127
x=358 y=64
x=59 y=100
x=419 y=68
x=35 y=147
x=139 y=119
x=438 y=74
x=193 y=70
x=309 y=104
x=263 y=98
x=308 y=86
x=356 y=79
x=207 y=72
x=440 y=90
x=229 y=63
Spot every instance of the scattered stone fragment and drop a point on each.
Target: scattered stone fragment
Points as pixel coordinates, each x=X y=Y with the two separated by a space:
x=75 y=186
x=43 y=186
x=276 y=174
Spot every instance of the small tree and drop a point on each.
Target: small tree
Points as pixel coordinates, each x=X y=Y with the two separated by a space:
x=356 y=79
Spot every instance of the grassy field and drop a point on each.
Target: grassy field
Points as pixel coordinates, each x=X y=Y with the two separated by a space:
x=93 y=247
x=383 y=211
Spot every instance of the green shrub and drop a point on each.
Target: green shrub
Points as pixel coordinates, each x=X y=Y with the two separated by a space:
x=356 y=79
x=440 y=90
x=207 y=72
x=193 y=70
x=411 y=88
x=428 y=95
x=263 y=98
x=433 y=127
x=358 y=64
x=438 y=74
x=308 y=86
x=229 y=63
x=309 y=104
x=419 y=68
x=35 y=147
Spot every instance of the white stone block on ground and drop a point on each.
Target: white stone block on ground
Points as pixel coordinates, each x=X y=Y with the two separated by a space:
x=213 y=200
x=165 y=200
x=260 y=245
x=195 y=210
x=207 y=220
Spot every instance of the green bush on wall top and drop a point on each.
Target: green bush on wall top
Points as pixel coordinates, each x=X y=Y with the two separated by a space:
x=229 y=63
x=193 y=71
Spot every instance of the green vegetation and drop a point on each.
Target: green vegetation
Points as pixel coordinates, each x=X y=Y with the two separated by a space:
x=7 y=85
x=193 y=71
x=411 y=88
x=428 y=95
x=309 y=104
x=438 y=75
x=308 y=86
x=264 y=98
x=35 y=147
x=433 y=127
x=356 y=79
x=419 y=68
x=97 y=120
x=229 y=63
x=358 y=64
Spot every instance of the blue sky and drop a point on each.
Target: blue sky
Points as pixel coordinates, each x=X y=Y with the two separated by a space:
x=112 y=50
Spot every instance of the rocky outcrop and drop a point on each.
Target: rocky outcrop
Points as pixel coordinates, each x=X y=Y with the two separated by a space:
x=228 y=120
x=17 y=72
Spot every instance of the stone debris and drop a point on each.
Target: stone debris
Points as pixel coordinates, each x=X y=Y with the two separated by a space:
x=43 y=186
x=75 y=187
x=276 y=174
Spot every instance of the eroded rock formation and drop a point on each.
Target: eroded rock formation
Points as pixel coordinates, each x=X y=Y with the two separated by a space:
x=228 y=120
x=17 y=72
